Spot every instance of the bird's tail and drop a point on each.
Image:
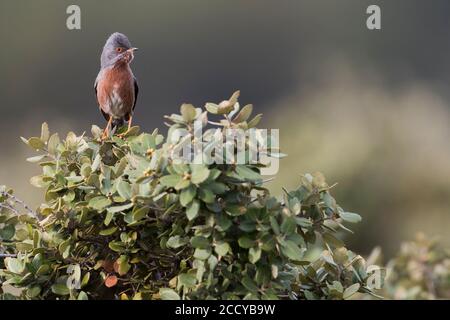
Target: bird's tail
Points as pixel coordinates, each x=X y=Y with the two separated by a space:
x=116 y=124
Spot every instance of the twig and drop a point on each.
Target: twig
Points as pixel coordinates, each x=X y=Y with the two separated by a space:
x=7 y=255
x=22 y=203
x=2 y=205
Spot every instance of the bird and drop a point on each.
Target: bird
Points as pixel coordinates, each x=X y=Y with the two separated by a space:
x=116 y=87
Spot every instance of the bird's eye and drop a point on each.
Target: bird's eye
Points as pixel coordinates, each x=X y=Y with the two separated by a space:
x=120 y=49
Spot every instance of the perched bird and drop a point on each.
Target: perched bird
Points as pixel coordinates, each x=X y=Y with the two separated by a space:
x=116 y=87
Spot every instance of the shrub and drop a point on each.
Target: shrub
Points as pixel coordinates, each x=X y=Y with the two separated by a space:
x=421 y=270
x=122 y=220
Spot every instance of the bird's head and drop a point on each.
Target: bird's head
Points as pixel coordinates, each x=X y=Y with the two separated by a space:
x=117 y=50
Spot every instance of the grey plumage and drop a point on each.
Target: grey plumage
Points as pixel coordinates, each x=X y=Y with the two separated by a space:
x=109 y=54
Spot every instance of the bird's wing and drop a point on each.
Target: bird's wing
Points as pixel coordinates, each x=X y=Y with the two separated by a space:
x=136 y=91
x=105 y=115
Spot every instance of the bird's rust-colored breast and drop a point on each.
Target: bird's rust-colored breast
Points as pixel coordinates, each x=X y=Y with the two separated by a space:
x=115 y=90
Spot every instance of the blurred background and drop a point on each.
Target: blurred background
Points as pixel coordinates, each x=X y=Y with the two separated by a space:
x=369 y=109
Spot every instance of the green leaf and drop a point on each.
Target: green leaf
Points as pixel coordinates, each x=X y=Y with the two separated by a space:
x=254 y=254
x=245 y=173
x=222 y=248
x=249 y=284
x=168 y=294
x=200 y=242
x=108 y=232
x=225 y=108
x=212 y=107
x=182 y=184
x=255 y=121
x=140 y=213
x=303 y=222
x=332 y=240
x=14 y=265
x=64 y=248
x=348 y=292
x=96 y=163
x=206 y=195
x=202 y=254
x=234 y=97
x=33 y=292
x=187 y=280
x=170 y=181
x=188 y=112
x=36 y=239
x=7 y=232
x=214 y=174
x=36 y=158
x=350 y=217
x=24 y=246
x=96 y=131
x=99 y=203
x=175 y=242
x=121 y=208
x=291 y=250
x=53 y=143
x=212 y=262
x=124 y=189
x=85 y=279
x=244 y=114
x=117 y=246
x=217 y=187
x=309 y=295
x=274 y=224
x=82 y=296
x=192 y=210
x=123 y=265
x=289 y=225
x=295 y=206
x=235 y=210
x=36 y=143
x=223 y=222
x=187 y=195
x=44 y=269
x=60 y=289
x=45 y=133
x=199 y=173
x=336 y=288
x=245 y=242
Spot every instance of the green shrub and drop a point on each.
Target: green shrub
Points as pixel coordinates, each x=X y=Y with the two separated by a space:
x=121 y=220
x=421 y=270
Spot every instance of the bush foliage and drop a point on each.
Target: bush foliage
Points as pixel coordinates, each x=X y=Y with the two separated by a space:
x=421 y=270
x=122 y=220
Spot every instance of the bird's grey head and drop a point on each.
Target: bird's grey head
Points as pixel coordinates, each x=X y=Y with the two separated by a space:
x=117 y=49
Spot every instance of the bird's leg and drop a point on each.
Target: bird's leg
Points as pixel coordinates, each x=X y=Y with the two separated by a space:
x=130 y=120
x=105 y=132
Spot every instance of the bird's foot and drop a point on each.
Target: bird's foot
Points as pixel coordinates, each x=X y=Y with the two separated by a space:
x=123 y=134
x=104 y=136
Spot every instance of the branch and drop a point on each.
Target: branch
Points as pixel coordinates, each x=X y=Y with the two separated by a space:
x=17 y=200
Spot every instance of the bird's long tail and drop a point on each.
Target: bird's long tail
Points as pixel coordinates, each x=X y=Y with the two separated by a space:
x=116 y=124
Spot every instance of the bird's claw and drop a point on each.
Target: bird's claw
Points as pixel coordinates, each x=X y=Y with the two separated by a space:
x=123 y=134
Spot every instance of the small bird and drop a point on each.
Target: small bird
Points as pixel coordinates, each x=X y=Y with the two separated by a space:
x=116 y=87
